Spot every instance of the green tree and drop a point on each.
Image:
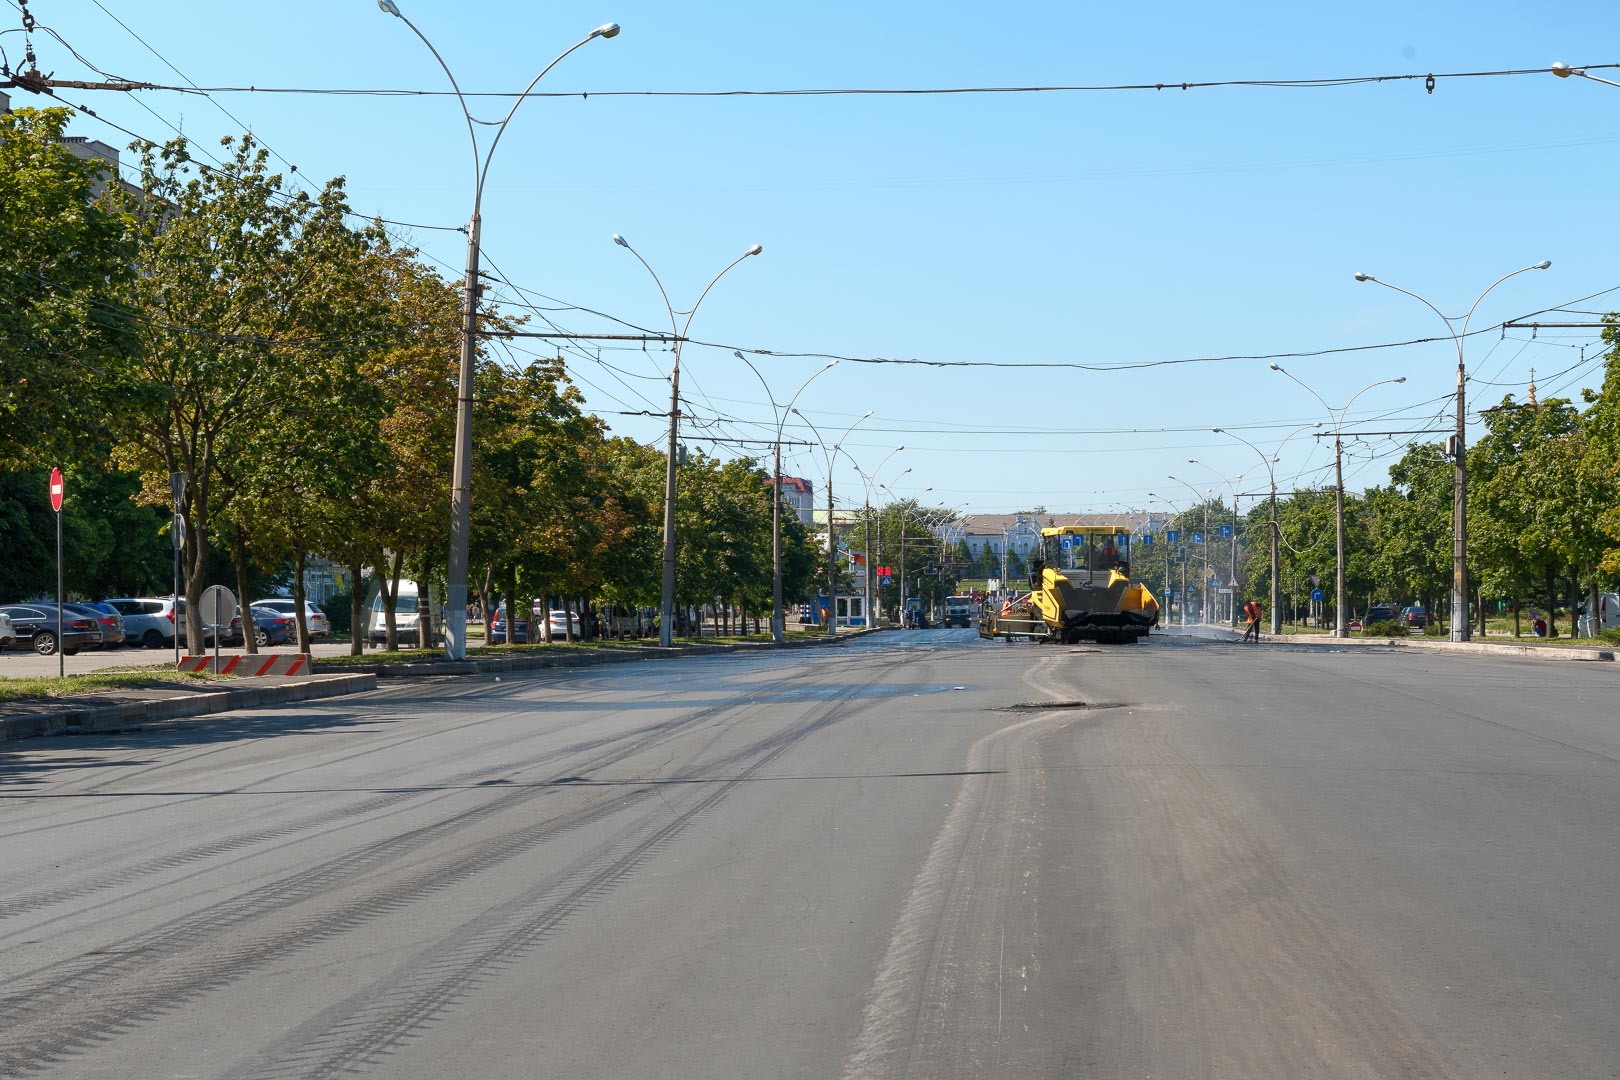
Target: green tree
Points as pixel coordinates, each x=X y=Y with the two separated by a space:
x=64 y=346
x=224 y=290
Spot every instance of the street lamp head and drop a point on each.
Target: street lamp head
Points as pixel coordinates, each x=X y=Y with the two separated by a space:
x=1544 y=264
x=606 y=30
x=1562 y=70
x=1217 y=431
x=1401 y=379
x=830 y=364
x=1276 y=367
x=621 y=241
x=1365 y=277
x=755 y=250
x=738 y=354
x=390 y=7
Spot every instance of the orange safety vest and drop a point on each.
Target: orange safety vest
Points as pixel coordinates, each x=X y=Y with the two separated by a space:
x=1252 y=610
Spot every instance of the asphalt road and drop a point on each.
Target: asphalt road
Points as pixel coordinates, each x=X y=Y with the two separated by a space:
x=918 y=855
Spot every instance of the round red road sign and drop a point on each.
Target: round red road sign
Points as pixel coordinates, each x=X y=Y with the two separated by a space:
x=56 y=490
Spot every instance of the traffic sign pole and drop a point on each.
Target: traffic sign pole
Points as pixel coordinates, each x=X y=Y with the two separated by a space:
x=56 y=505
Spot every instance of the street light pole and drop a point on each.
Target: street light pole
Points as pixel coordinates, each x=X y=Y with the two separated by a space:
x=1460 y=628
x=1271 y=472
x=832 y=539
x=1341 y=617
x=456 y=565
x=778 y=628
x=1203 y=612
x=1232 y=485
x=666 y=628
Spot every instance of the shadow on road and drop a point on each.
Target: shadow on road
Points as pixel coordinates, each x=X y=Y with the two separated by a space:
x=27 y=763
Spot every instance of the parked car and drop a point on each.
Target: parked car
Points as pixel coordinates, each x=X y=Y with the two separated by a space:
x=148 y=620
x=209 y=632
x=497 y=630
x=314 y=618
x=561 y=620
x=111 y=623
x=269 y=628
x=1415 y=617
x=1380 y=613
x=36 y=624
x=8 y=633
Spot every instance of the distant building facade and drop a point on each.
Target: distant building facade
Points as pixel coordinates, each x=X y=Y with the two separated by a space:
x=799 y=493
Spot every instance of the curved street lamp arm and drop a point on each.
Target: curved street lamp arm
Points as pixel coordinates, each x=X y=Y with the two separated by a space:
x=1363 y=390
x=779 y=415
x=1307 y=386
x=466 y=113
x=690 y=315
x=521 y=98
x=673 y=329
x=1464 y=332
x=1267 y=462
x=789 y=407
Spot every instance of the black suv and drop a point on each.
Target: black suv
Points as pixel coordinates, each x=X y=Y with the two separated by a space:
x=1380 y=613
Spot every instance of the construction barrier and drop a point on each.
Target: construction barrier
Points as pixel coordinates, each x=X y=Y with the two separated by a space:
x=246 y=666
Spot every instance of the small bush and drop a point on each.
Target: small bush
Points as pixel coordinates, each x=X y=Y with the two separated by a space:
x=1610 y=636
x=1386 y=628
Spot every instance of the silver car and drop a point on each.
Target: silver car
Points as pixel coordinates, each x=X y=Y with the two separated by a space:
x=319 y=625
x=8 y=633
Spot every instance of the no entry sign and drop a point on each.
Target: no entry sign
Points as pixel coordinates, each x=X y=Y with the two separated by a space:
x=56 y=490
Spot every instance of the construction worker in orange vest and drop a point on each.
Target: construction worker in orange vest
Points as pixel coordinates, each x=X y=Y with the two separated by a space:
x=1251 y=611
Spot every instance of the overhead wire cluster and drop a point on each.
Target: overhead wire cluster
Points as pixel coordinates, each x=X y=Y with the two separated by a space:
x=711 y=423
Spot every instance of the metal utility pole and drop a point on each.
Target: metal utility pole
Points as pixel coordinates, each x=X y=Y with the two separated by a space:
x=456 y=565
x=666 y=628
x=778 y=618
x=1341 y=615
x=832 y=536
x=1460 y=628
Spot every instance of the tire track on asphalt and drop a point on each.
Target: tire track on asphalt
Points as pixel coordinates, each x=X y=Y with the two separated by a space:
x=373 y=1024
x=157 y=971
x=29 y=902
x=910 y=994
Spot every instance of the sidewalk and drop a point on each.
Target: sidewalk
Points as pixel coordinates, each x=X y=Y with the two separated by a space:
x=132 y=710
x=1479 y=648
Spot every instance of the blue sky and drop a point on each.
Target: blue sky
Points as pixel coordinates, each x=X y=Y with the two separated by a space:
x=1101 y=228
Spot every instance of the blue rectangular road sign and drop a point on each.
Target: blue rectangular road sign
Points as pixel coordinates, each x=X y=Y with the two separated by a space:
x=1147 y=539
x=1198 y=538
x=1172 y=536
x=1226 y=532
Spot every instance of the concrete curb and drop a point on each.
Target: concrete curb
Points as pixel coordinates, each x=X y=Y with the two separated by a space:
x=123 y=716
x=1582 y=653
x=608 y=654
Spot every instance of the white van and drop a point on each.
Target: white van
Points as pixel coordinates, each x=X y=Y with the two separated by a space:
x=407 y=631
x=1608 y=610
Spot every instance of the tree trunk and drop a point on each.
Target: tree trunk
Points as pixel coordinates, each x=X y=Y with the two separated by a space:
x=239 y=555
x=1552 y=603
x=300 y=622
x=359 y=630
x=1592 y=598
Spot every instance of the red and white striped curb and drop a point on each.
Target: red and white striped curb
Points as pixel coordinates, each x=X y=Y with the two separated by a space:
x=248 y=666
